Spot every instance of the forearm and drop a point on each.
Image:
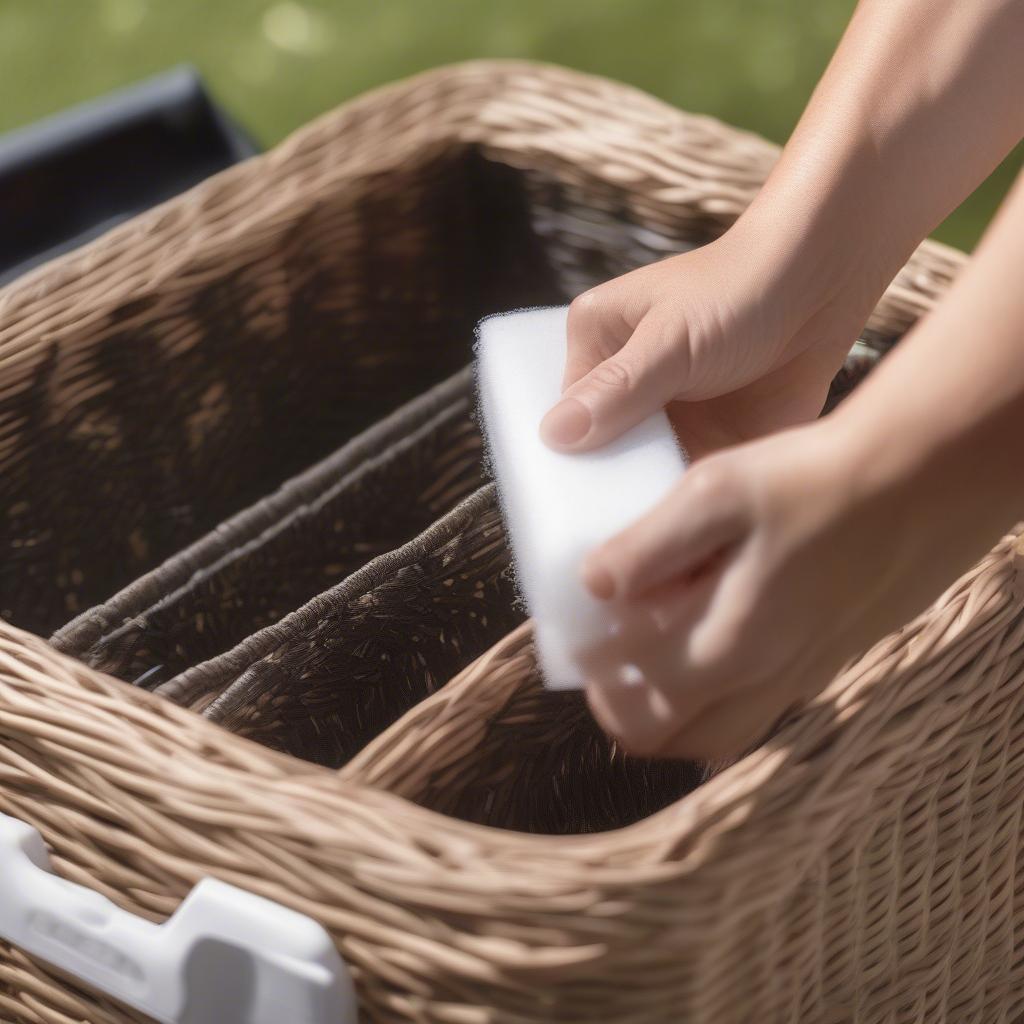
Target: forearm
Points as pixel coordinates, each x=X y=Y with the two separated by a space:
x=942 y=420
x=921 y=101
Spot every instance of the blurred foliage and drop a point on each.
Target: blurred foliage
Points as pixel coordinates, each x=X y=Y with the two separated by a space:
x=277 y=63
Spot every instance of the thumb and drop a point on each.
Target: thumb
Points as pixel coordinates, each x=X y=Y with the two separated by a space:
x=619 y=392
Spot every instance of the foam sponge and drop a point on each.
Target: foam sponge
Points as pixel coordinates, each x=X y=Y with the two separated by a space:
x=558 y=507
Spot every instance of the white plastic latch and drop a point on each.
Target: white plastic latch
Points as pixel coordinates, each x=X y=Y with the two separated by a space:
x=225 y=957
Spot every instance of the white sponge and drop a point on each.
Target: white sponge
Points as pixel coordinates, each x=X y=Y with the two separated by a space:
x=559 y=507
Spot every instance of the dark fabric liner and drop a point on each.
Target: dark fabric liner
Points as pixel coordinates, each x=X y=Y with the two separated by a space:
x=315 y=531
x=325 y=680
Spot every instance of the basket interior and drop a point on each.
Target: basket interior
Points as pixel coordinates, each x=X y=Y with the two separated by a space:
x=193 y=401
x=327 y=679
x=187 y=405
x=496 y=748
x=414 y=474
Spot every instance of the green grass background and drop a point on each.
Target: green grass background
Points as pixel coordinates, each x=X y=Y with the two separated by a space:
x=277 y=64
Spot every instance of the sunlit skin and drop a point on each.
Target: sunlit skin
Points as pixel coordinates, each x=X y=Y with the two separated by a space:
x=792 y=544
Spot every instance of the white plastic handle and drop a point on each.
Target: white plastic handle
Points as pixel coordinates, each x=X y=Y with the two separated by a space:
x=225 y=957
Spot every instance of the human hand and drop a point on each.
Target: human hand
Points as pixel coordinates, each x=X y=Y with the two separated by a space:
x=768 y=567
x=737 y=339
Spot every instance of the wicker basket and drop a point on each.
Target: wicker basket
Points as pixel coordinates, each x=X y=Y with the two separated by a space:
x=861 y=866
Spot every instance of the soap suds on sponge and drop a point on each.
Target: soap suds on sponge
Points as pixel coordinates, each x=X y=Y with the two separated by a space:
x=558 y=507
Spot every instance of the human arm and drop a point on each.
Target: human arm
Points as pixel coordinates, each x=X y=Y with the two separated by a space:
x=774 y=562
x=741 y=337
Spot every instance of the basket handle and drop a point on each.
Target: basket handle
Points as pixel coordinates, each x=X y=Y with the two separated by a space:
x=226 y=956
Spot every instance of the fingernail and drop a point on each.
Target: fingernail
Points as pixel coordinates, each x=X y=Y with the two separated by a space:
x=567 y=423
x=598 y=581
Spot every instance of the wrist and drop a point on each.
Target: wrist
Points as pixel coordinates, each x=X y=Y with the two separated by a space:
x=824 y=209
x=813 y=255
x=944 y=486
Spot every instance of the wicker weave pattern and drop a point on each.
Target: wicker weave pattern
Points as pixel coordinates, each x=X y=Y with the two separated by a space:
x=498 y=749
x=862 y=866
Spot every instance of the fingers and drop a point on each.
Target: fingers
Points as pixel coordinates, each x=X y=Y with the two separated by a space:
x=706 y=512
x=679 y=650
x=633 y=675
x=639 y=717
x=596 y=329
x=729 y=728
x=637 y=714
x=651 y=717
x=615 y=377
x=649 y=679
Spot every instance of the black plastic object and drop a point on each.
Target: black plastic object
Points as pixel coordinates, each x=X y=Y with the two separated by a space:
x=70 y=177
